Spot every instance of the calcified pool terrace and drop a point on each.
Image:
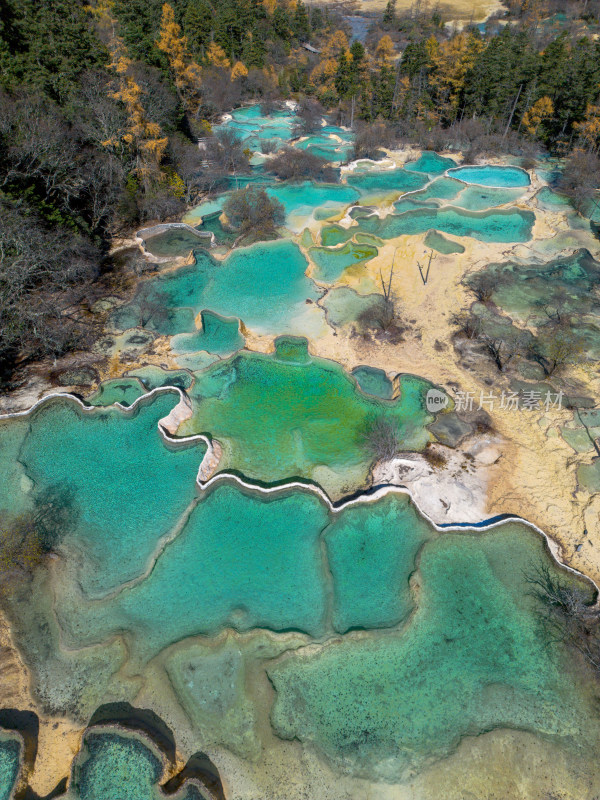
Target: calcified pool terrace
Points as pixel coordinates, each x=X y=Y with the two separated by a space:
x=228 y=562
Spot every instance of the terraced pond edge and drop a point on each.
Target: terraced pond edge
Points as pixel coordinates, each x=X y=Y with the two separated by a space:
x=183 y=409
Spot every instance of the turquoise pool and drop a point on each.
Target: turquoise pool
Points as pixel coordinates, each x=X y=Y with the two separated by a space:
x=488 y=175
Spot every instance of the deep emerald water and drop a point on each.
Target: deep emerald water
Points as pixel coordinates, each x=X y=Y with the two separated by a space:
x=279 y=420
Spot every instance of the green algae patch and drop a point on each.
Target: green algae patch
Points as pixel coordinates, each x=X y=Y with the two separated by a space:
x=331 y=262
x=588 y=476
x=445 y=246
x=128 y=487
x=278 y=420
x=374 y=381
x=242 y=560
x=292 y=349
x=154 y=377
x=372 y=550
x=218 y=335
x=124 y=391
x=473 y=657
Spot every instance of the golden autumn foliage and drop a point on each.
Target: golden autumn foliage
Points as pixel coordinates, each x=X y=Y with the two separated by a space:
x=335 y=45
x=239 y=70
x=589 y=128
x=450 y=62
x=186 y=72
x=270 y=6
x=384 y=51
x=141 y=134
x=539 y=112
x=217 y=56
x=323 y=72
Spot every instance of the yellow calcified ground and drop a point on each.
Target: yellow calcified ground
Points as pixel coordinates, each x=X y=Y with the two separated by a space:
x=535 y=475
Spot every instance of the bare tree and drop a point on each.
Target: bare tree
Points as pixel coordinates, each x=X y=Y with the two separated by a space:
x=378 y=436
x=293 y=164
x=483 y=285
x=580 y=180
x=467 y=324
x=309 y=113
x=225 y=150
x=570 y=616
x=152 y=306
x=555 y=346
x=371 y=138
x=252 y=213
x=424 y=272
x=503 y=349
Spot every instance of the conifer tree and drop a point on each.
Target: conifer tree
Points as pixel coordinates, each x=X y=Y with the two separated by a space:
x=186 y=74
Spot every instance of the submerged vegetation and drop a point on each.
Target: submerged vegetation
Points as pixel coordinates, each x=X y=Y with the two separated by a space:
x=570 y=613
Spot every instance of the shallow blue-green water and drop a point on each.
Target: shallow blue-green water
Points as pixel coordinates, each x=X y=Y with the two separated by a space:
x=489 y=175
x=431 y=163
x=219 y=335
x=128 y=488
x=10 y=754
x=472 y=657
x=241 y=561
x=510 y=225
x=264 y=285
x=374 y=381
